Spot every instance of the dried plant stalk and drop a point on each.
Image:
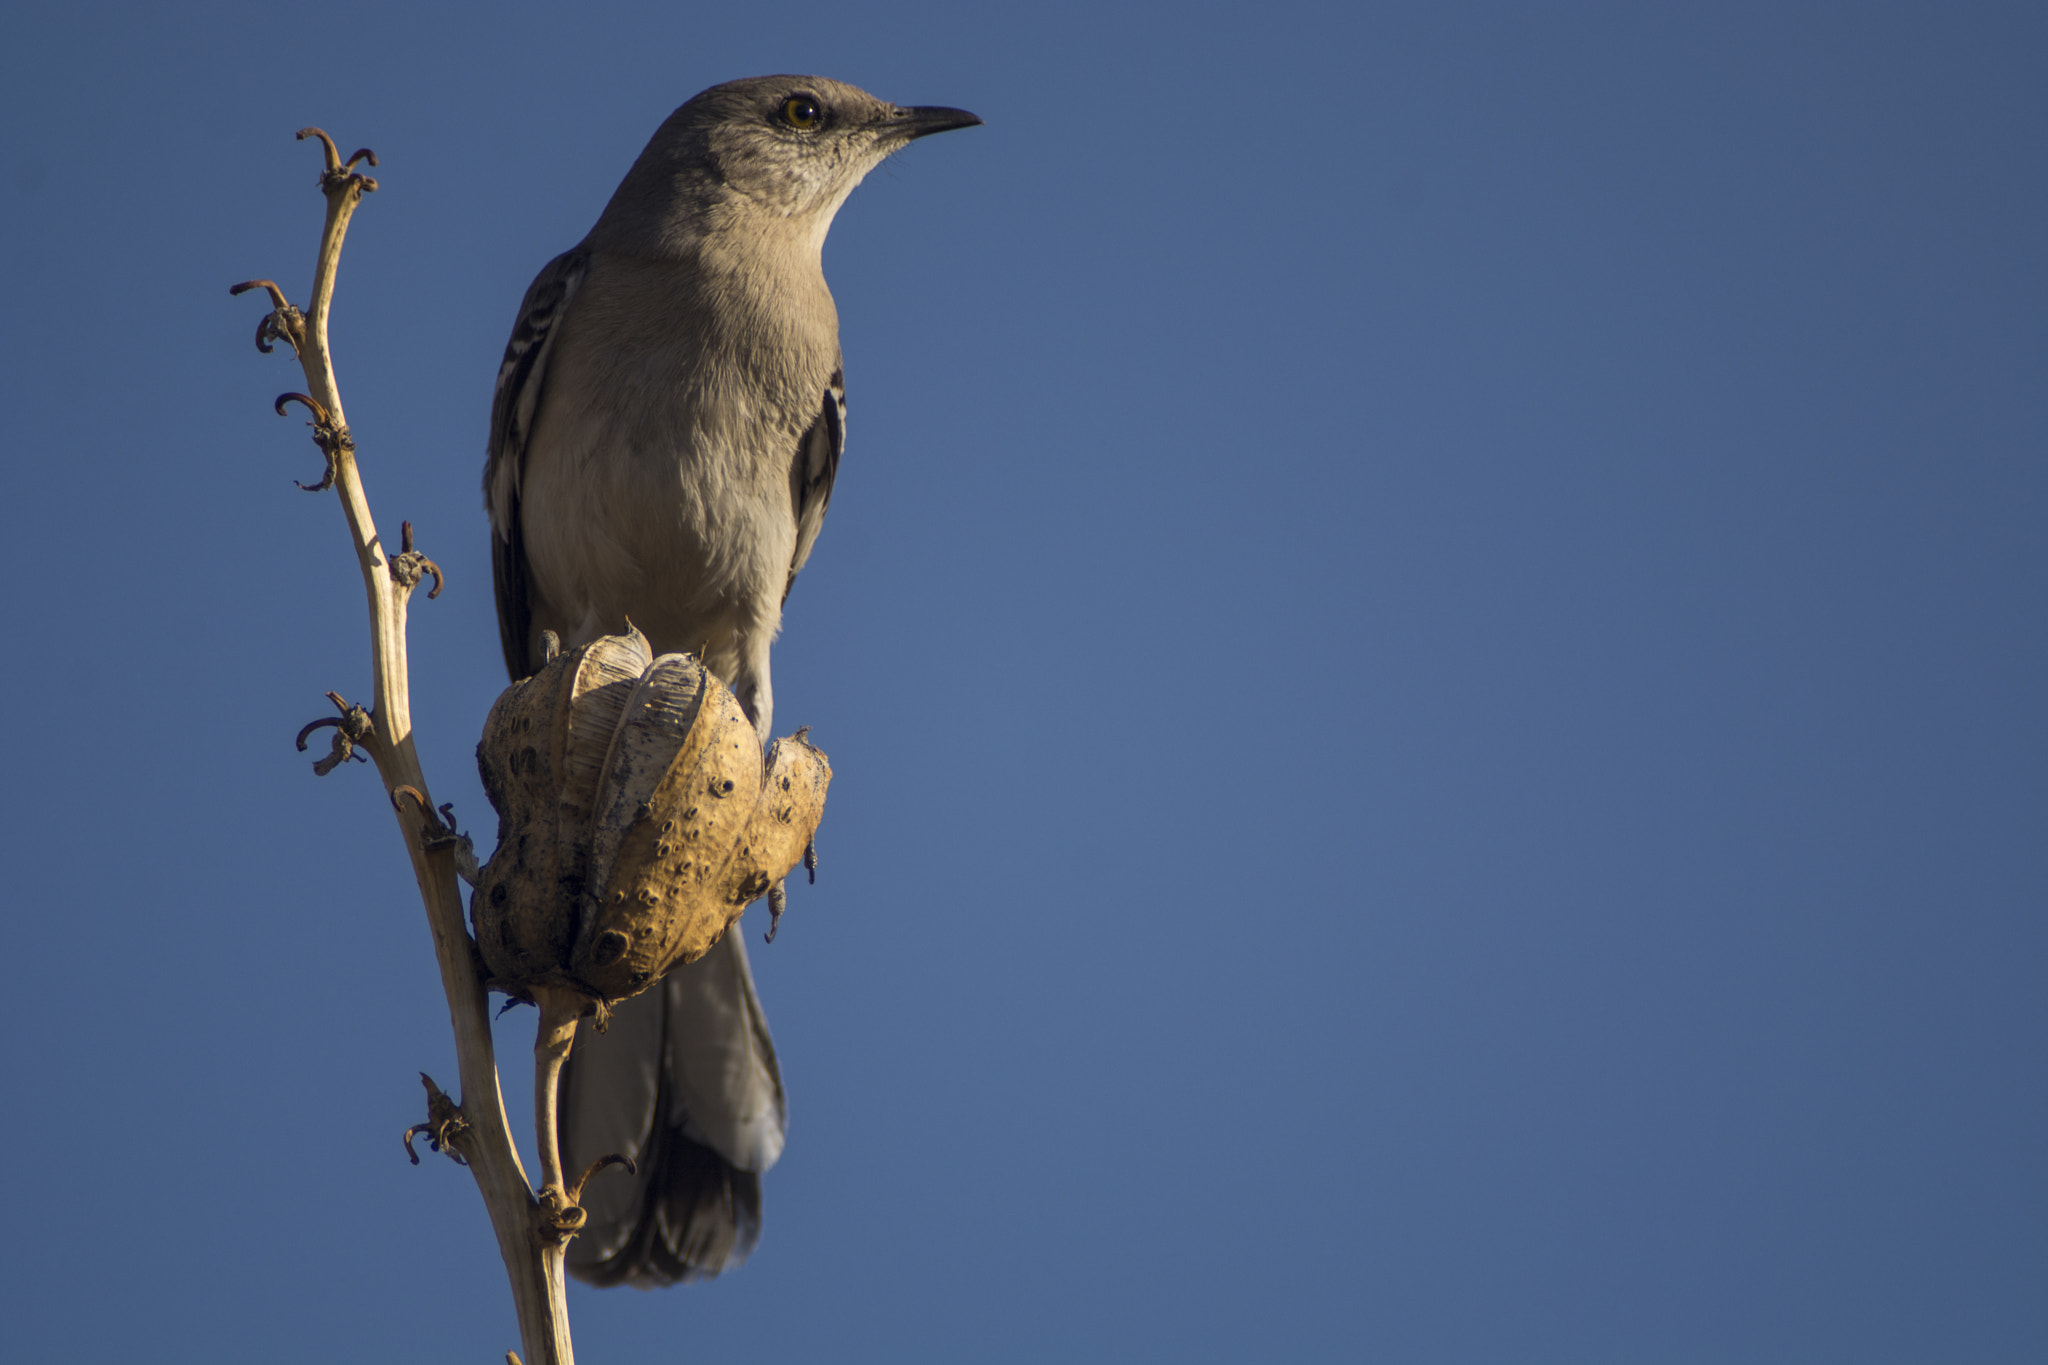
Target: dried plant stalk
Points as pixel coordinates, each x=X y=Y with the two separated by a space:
x=475 y=1129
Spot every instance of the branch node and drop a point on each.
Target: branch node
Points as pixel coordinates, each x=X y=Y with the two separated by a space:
x=409 y=565
x=282 y=323
x=441 y=831
x=445 y=1125
x=353 y=727
x=561 y=1217
x=332 y=438
x=340 y=175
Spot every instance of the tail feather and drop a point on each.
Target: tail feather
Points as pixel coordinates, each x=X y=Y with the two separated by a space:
x=700 y=1216
x=684 y=1082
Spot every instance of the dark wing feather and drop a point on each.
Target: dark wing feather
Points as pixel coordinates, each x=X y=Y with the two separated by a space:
x=812 y=471
x=522 y=379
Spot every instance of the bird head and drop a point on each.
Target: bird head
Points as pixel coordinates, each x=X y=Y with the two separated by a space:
x=784 y=147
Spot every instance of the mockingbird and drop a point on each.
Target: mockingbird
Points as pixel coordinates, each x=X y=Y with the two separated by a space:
x=668 y=421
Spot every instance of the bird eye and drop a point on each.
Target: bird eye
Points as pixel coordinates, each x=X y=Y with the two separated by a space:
x=801 y=111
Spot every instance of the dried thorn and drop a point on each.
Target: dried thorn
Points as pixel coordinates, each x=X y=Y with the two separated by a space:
x=277 y=297
x=333 y=468
x=333 y=152
x=269 y=329
x=313 y=725
x=412 y=1133
x=310 y=403
x=811 y=861
x=336 y=756
x=326 y=480
x=509 y=1005
x=361 y=154
x=803 y=736
x=420 y=798
x=778 y=901
x=615 y=1159
x=342 y=740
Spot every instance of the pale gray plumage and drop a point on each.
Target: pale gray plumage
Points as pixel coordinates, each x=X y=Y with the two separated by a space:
x=668 y=424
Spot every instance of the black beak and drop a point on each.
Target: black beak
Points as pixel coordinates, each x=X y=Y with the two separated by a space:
x=931 y=118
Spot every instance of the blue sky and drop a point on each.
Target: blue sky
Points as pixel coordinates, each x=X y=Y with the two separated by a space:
x=1431 y=636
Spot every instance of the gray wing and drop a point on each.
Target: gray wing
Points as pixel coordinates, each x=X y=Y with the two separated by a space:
x=684 y=1081
x=522 y=381
x=812 y=471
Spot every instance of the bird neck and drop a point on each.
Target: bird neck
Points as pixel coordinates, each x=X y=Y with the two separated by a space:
x=688 y=212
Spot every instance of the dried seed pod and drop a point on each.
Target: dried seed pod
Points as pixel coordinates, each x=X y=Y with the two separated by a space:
x=792 y=803
x=636 y=819
x=541 y=758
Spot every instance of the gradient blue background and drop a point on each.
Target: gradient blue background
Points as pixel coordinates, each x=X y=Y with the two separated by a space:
x=1432 y=637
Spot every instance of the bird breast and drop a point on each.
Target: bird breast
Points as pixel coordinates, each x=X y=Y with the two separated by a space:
x=657 y=477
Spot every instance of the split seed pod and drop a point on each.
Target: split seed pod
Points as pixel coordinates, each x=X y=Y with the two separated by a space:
x=637 y=819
